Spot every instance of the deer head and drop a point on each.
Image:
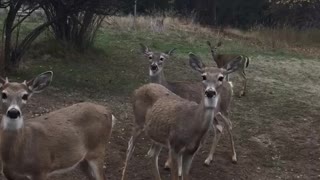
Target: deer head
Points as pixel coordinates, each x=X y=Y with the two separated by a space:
x=214 y=49
x=15 y=95
x=156 y=59
x=212 y=77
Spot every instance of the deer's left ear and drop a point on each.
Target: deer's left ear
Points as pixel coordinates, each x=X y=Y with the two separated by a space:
x=39 y=83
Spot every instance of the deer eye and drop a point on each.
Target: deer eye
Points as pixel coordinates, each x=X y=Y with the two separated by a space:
x=204 y=78
x=25 y=97
x=150 y=57
x=161 y=58
x=221 y=78
x=4 y=96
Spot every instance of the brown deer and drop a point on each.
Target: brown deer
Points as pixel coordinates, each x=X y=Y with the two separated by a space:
x=180 y=124
x=52 y=143
x=187 y=90
x=157 y=60
x=223 y=59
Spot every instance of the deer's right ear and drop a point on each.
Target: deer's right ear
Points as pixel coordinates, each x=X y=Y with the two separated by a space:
x=39 y=83
x=233 y=65
x=144 y=49
x=171 y=51
x=3 y=81
x=209 y=44
x=196 y=63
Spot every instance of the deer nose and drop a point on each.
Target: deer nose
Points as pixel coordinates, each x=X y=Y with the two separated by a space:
x=154 y=67
x=13 y=113
x=210 y=93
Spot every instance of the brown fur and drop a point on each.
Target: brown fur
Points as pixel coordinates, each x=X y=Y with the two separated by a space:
x=177 y=123
x=60 y=140
x=223 y=59
x=187 y=90
x=57 y=140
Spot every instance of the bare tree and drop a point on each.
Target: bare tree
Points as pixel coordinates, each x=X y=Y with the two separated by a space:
x=71 y=21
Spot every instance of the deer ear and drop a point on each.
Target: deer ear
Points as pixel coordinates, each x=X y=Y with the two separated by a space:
x=39 y=83
x=195 y=62
x=233 y=65
x=171 y=51
x=209 y=44
x=144 y=49
x=3 y=81
x=219 y=44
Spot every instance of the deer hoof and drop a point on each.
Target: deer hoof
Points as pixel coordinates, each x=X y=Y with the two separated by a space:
x=242 y=93
x=234 y=159
x=207 y=161
x=167 y=165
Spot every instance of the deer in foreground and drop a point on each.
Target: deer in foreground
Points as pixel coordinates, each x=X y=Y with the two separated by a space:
x=180 y=124
x=52 y=143
x=223 y=59
x=187 y=90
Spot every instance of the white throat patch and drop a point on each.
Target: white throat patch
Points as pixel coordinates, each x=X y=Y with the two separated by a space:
x=151 y=73
x=211 y=102
x=11 y=124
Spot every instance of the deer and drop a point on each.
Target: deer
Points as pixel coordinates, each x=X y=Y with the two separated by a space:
x=179 y=124
x=52 y=143
x=187 y=90
x=223 y=59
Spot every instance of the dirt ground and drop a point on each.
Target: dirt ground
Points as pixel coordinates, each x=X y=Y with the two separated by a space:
x=276 y=128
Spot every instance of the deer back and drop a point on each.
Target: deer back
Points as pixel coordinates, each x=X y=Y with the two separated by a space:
x=187 y=90
x=143 y=99
x=171 y=117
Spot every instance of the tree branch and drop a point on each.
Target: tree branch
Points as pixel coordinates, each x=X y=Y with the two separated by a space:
x=25 y=17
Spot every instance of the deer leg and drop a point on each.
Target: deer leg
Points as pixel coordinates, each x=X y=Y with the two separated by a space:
x=243 y=92
x=217 y=129
x=186 y=165
x=174 y=164
x=167 y=165
x=96 y=167
x=155 y=157
x=131 y=145
x=180 y=165
x=229 y=129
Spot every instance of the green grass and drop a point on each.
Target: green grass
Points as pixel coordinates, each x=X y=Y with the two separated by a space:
x=116 y=66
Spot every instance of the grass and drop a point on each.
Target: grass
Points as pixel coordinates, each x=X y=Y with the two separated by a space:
x=116 y=66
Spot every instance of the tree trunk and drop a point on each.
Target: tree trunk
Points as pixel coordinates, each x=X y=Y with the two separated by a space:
x=7 y=40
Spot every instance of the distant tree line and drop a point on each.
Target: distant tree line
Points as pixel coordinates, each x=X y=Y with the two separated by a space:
x=237 y=13
x=76 y=21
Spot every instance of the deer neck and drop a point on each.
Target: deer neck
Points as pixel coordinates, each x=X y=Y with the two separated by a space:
x=11 y=142
x=159 y=79
x=206 y=110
